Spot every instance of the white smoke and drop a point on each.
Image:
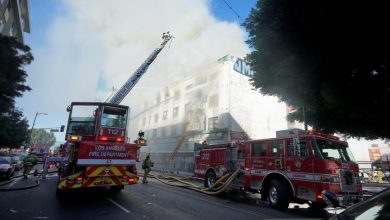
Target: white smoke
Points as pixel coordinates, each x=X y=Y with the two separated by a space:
x=114 y=37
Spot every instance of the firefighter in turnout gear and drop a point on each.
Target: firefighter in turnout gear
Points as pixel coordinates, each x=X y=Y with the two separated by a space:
x=146 y=165
x=29 y=162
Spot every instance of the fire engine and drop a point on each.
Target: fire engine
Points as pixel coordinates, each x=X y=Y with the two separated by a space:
x=96 y=152
x=296 y=166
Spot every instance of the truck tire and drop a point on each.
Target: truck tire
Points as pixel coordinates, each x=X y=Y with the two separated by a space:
x=210 y=179
x=317 y=205
x=116 y=189
x=59 y=192
x=278 y=195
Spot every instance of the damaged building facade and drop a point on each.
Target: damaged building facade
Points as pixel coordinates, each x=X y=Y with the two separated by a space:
x=218 y=105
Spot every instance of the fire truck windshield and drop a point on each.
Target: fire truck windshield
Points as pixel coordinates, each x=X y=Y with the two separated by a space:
x=82 y=120
x=114 y=117
x=327 y=149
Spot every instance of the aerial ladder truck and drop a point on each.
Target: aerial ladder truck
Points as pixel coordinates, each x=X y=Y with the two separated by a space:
x=96 y=152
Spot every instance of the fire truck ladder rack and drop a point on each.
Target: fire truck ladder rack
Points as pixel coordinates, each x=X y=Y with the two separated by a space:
x=132 y=81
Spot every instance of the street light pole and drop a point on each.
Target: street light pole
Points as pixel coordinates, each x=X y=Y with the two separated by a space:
x=32 y=127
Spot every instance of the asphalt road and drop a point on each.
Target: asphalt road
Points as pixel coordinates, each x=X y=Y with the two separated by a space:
x=154 y=200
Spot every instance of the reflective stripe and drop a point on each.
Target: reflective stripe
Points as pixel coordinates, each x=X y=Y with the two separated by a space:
x=314 y=177
x=105 y=171
x=103 y=161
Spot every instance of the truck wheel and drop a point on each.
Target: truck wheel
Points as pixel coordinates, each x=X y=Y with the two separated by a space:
x=59 y=193
x=317 y=205
x=278 y=195
x=210 y=179
x=116 y=188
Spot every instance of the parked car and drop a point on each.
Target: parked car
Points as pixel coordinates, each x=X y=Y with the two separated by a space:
x=18 y=161
x=376 y=207
x=21 y=154
x=7 y=169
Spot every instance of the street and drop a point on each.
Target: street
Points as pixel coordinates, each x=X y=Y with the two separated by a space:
x=141 y=201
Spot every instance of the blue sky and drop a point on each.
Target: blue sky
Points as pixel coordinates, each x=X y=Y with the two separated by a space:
x=68 y=57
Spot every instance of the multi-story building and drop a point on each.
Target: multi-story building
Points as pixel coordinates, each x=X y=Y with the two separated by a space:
x=14 y=18
x=216 y=105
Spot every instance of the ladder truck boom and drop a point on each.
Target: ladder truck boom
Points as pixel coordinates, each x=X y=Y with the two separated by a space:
x=132 y=81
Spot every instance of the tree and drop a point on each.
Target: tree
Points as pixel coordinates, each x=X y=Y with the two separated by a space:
x=14 y=129
x=13 y=56
x=42 y=138
x=330 y=58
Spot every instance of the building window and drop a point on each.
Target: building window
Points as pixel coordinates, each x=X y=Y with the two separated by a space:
x=156 y=118
x=213 y=123
x=1 y=25
x=213 y=101
x=163 y=131
x=12 y=30
x=258 y=150
x=165 y=115
x=200 y=79
x=175 y=112
x=158 y=99
x=173 y=130
x=154 y=133
x=143 y=121
x=177 y=95
x=6 y=13
x=167 y=94
x=190 y=86
x=189 y=115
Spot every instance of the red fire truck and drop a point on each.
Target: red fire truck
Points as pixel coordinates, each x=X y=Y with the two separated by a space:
x=95 y=153
x=297 y=165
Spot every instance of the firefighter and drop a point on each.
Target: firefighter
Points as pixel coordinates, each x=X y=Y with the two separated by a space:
x=146 y=165
x=380 y=174
x=29 y=162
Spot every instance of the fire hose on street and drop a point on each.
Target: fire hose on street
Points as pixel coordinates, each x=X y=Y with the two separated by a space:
x=215 y=189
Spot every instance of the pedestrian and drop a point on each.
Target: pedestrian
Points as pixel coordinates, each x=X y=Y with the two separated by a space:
x=29 y=162
x=146 y=165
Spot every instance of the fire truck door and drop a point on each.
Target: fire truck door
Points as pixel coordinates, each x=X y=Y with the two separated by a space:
x=258 y=168
x=299 y=168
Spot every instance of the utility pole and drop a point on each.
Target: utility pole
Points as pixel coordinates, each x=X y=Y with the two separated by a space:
x=32 y=127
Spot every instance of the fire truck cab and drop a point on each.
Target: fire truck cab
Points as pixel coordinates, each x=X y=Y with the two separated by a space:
x=95 y=152
x=297 y=165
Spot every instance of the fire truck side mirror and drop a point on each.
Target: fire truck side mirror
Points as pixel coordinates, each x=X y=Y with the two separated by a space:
x=68 y=108
x=62 y=128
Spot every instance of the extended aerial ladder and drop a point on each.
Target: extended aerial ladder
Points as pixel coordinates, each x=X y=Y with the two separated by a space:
x=130 y=83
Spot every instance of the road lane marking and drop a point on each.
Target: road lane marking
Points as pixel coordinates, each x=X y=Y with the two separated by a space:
x=119 y=206
x=13 y=182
